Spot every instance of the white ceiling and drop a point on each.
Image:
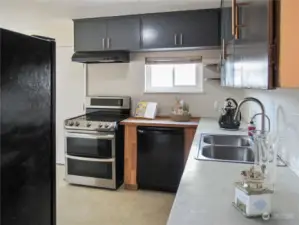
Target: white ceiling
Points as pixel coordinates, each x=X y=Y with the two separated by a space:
x=98 y=8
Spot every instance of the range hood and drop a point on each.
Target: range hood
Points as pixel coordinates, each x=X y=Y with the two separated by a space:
x=102 y=57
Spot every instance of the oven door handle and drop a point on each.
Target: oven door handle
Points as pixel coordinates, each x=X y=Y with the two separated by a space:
x=90 y=159
x=90 y=136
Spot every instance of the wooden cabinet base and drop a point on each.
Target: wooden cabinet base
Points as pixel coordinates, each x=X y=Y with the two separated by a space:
x=189 y=136
x=130 y=156
x=132 y=187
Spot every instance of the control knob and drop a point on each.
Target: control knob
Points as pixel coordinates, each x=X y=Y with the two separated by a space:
x=106 y=125
x=71 y=123
x=88 y=124
x=77 y=124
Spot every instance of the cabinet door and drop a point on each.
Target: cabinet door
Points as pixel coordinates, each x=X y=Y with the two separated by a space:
x=248 y=61
x=227 y=44
x=123 y=33
x=89 y=35
x=160 y=30
x=201 y=28
x=289 y=45
x=253 y=58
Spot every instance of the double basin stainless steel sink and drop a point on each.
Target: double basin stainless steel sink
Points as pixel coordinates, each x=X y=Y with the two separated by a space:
x=227 y=148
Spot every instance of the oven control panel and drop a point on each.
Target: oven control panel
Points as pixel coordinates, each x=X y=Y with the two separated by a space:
x=78 y=124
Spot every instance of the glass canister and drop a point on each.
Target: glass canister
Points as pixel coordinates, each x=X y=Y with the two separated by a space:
x=265 y=146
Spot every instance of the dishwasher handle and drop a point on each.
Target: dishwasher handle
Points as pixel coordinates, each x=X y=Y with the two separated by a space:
x=160 y=130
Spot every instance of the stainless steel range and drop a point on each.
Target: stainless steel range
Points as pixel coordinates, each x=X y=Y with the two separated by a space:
x=94 y=145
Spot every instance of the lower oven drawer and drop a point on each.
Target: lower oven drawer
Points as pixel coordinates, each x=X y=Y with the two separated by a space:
x=92 y=168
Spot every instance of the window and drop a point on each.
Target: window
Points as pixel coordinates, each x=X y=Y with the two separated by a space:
x=173 y=75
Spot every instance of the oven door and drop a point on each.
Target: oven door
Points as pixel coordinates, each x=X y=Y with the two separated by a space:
x=90 y=171
x=94 y=145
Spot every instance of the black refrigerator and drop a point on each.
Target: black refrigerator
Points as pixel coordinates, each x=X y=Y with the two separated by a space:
x=27 y=77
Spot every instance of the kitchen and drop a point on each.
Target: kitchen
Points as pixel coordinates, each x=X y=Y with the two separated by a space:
x=127 y=79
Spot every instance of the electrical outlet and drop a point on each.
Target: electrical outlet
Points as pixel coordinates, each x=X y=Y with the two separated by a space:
x=216 y=106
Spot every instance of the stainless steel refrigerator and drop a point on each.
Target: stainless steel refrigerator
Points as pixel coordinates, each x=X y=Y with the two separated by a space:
x=27 y=77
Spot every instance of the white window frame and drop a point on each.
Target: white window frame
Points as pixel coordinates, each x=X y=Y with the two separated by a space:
x=198 y=88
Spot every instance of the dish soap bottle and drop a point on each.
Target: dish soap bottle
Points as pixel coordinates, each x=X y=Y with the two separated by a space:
x=251 y=128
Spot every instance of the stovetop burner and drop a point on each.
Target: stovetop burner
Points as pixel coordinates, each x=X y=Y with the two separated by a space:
x=102 y=114
x=96 y=121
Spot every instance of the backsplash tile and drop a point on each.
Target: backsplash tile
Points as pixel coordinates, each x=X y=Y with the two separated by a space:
x=282 y=106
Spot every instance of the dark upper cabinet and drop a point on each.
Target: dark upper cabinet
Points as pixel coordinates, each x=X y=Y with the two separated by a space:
x=160 y=30
x=90 y=34
x=252 y=48
x=198 y=28
x=123 y=33
x=104 y=34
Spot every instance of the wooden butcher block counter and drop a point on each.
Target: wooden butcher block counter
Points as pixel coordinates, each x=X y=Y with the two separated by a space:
x=131 y=125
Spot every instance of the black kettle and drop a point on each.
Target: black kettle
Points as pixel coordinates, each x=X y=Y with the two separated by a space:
x=226 y=120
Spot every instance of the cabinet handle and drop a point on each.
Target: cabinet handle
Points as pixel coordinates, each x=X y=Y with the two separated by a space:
x=108 y=42
x=181 y=39
x=223 y=49
x=103 y=43
x=175 y=39
x=233 y=16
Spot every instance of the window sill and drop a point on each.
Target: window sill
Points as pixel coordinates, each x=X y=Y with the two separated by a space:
x=173 y=92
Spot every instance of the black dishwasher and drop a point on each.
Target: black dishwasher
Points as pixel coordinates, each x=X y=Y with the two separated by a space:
x=160 y=158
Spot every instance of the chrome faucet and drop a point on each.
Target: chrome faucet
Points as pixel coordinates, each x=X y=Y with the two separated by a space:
x=251 y=99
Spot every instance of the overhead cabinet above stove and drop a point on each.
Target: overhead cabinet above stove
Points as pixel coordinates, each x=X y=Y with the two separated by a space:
x=164 y=31
x=105 y=34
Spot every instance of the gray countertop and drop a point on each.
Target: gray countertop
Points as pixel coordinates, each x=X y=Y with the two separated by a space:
x=206 y=191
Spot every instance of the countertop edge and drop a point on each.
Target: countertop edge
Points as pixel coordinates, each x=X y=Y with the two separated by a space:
x=160 y=122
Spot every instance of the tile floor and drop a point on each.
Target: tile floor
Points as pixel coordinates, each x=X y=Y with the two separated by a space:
x=78 y=205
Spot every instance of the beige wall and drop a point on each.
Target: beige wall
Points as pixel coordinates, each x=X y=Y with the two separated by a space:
x=128 y=79
x=33 y=23
x=69 y=94
x=282 y=106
